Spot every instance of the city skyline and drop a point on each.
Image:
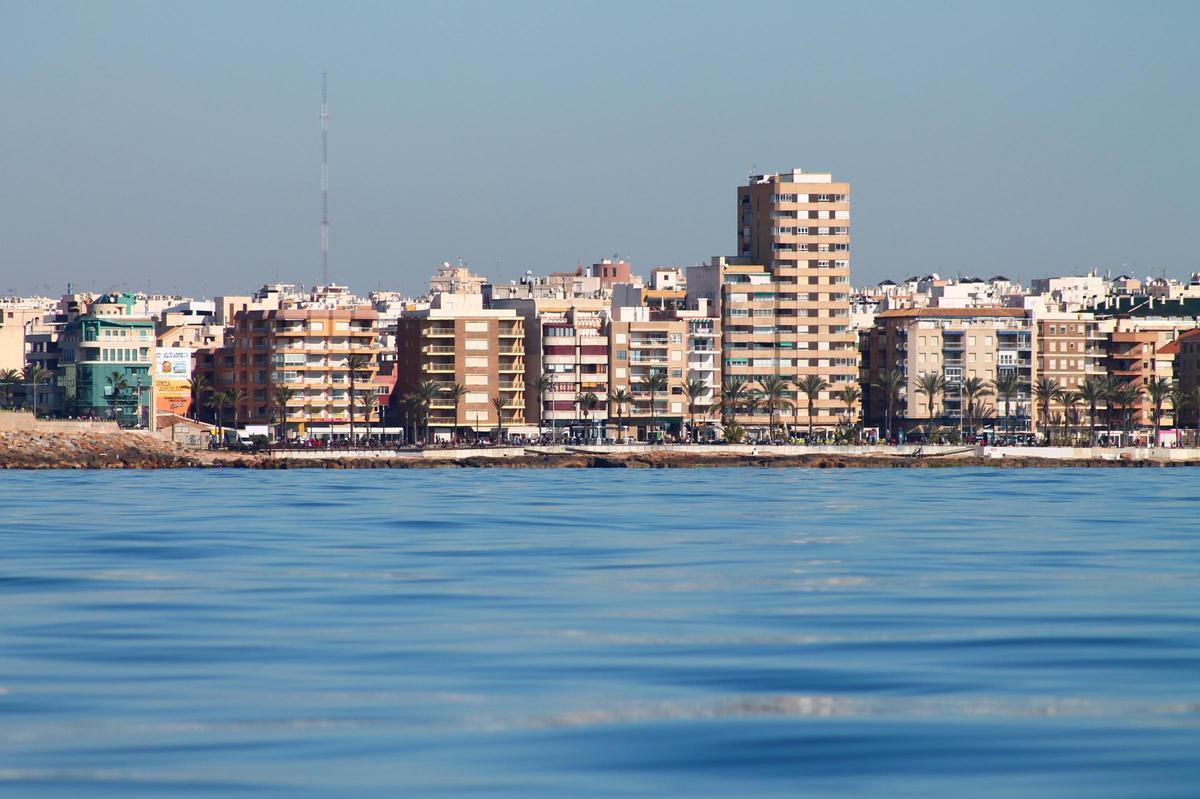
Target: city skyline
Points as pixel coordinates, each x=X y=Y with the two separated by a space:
x=169 y=150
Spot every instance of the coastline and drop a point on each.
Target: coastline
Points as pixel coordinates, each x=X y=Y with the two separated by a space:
x=143 y=450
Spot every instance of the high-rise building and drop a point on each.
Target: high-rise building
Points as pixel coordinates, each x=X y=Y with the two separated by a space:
x=457 y=342
x=793 y=320
x=307 y=352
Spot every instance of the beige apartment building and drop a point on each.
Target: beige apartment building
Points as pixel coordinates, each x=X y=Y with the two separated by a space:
x=566 y=339
x=457 y=342
x=640 y=345
x=957 y=343
x=790 y=318
x=307 y=351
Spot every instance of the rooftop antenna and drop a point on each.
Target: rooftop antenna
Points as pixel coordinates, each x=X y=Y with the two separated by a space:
x=324 y=181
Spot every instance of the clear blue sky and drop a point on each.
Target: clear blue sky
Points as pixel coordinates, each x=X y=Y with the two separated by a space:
x=175 y=146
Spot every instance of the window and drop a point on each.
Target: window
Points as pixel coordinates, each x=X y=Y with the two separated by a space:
x=676 y=373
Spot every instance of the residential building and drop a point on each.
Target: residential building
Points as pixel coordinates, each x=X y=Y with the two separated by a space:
x=641 y=344
x=793 y=311
x=567 y=340
x=308 y=352
x=104 y=358
x=957 y=343
x=458 y=342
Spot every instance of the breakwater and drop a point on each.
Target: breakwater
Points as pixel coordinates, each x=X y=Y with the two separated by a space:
x=143 y=450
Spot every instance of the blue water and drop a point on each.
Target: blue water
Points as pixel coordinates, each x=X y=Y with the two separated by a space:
x=724 y=633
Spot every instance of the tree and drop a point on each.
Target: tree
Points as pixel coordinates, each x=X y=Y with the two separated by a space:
x=423 y=396
x=850 y=396
x=498 y=404
x=369 y=403
x=773 y=393
x=540 y=386
x=356 y=364
x=618 y=400
x=119 y=383
x=973 y=391
x=455 y=393
x=1160 y=390
x=890 y=382
x=1191 y=399
x=931 y=385
x=811 y=387
x=1007 y=385
x=1071 y=400
x=281 y=395
x=8 y=379
x=587 y=404
x=652 y=384
x=198 y=386
x=1112 y=389
x=35 y=376
x=1093 y=391
x=1124 y=397
x=734 y=392
x=694 y=390
x=236 y=398
x=217 y=402
x=1045 y=391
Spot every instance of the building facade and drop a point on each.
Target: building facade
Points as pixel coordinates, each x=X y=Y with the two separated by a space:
x=956 y=343
x=459 y=343
x=793 y=315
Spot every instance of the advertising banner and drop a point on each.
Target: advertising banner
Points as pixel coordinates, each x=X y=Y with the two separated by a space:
x=172 y=365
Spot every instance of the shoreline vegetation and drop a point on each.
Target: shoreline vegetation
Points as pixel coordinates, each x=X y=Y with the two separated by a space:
x=141 y=450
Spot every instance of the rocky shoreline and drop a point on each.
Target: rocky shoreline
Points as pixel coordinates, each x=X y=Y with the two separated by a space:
x=139 y=450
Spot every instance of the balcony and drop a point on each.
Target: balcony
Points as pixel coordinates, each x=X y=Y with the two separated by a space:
x=440 y=367
x=438 y=349
x=439 y=332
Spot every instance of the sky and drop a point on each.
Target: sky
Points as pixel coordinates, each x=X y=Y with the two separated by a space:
x=175 y=147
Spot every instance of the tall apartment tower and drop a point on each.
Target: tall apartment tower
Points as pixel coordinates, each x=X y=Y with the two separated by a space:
x=797 y=225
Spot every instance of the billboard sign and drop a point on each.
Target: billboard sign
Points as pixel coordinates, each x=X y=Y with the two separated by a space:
x=172 y=364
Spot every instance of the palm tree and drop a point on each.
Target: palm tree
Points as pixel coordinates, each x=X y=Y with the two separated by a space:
x=369 y=403
x=119 y=383
x=8 y=379
x=734 y=392
x=1071 y=400
x=773 y=393
x=1007 y=384
x=236 y=397
x=1125 y=396
x=498 y=404
x=35 y=376
x=1093 y=392
x=811 y=387
x=540 y=386
x=890 y=382
x=197 y=386
x=653 y=383
x=217 y=402
x=973 y=391
x=423 y=396
x=1160 y=390
x=1112 y=386
x=694 y=389
x=356 y=364
x=587 y=404
x=455 y=393
x=931 y=385
x=618 y=400
x=281 y=395
x=850 y=396
x=1191 y=399
x=1046 y=390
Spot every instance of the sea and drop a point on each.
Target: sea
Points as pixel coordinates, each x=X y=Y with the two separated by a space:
x=600 y=633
